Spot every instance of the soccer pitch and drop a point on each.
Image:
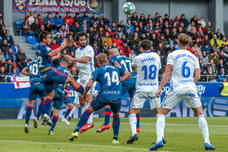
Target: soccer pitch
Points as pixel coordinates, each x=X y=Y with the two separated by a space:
x=182 y=134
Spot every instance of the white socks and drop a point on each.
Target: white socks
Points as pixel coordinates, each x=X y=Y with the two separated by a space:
x=132 y=121
x=204 y=128
x=160 y=126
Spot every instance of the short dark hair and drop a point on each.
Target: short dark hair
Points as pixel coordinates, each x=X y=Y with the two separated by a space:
x=80 y=34
x=43 y=35
x=146 y=45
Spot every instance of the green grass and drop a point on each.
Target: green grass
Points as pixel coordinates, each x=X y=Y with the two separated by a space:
x=182 y=134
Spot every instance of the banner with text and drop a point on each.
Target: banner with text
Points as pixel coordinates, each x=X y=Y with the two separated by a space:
x=60 y=6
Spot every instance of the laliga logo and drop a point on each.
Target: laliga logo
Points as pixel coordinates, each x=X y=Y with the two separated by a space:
x=200 y=89
x=20 y=4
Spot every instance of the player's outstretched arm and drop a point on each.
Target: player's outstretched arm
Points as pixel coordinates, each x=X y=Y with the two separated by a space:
x=165 y=78
x=197 y=75
x=126 y=76
x=84 y=60
x=58 y=50
x=25 y=71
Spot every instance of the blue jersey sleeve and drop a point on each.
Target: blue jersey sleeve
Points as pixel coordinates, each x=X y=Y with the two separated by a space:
x=95 y=74
x=122 y=70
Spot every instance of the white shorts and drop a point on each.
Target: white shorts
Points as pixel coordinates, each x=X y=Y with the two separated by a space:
x=187 y=94
x=83 y=82
x=140 y=98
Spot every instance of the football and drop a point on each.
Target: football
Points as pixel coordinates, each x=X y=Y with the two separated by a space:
x=128 y=8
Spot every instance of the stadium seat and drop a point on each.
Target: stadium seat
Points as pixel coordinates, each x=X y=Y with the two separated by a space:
x=19 y=25
x=0 y=39
x=35 y=46
x=31 y=39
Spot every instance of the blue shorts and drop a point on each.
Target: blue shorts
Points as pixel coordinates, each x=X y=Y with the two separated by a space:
x=69 y=100
x=99 y=102
x=58 y=100
x=53 y=76
x=37 y=89
x=128 y=86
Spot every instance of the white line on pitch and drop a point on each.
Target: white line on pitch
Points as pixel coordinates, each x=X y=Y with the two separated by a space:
x=88 y=145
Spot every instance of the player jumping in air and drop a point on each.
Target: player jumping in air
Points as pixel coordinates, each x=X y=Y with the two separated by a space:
x=36 y=88
x=110 y=78
x=184 y=69
x=84 y=58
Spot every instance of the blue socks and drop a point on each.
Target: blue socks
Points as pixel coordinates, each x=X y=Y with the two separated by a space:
x=47 y=105
x=115 y=126
x=67 y=113
x=138 y=121
x=54 y=121
x=28 y=114
x=83 y=120
x=40 y=109
x=108 y=113
x=80 y=89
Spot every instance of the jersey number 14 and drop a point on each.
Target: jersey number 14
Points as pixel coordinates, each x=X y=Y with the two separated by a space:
x=112 y=79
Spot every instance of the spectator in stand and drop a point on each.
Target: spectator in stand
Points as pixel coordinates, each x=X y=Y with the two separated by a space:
x=58 y=21
x=195 y=20
x=40 y=20
x=49 y=26
x=2 y=58
x=224 y=41
x=125 y=50
x=134 y=41
x=36 y=27
x=132 y=55
x=21 y=59
x=196 y=49
x=68 y=19
x=86 y=17
x=75 y=28
x=70 y=43
x=202 y=22
x=3 y=73
x=26 y=29
x=30 y=18
x=204 y=58
x=104 y=48
x=117 y=40
x=184 y=20
x=212 y=65
x=5 y=47
x=94 y=18
x=9 y=37
x=222 y=75
x=209 y=27
x=105 y=20
x=1 y=15
x=215 y=57
x=77 y=18
x=54 y=45
x=219 y=34
x=3 y=31
x=191 y=26
x=50 y=18
x=129 y=26
x=215 y=41
x=211 y=75
x=15 y=48
x=107 y=39
x=84 y=26
x=63 y=32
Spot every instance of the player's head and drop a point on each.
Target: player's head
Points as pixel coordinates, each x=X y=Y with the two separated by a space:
x=102 y=59
x=73 y=68
x=113 y=52
x=64 y=62
x=45 y=38
x=81 y=38
x=183 y=41
x=145 y=46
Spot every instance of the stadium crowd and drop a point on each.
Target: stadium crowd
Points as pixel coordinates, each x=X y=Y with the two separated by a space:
x=12 y=57
x=210 y=47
